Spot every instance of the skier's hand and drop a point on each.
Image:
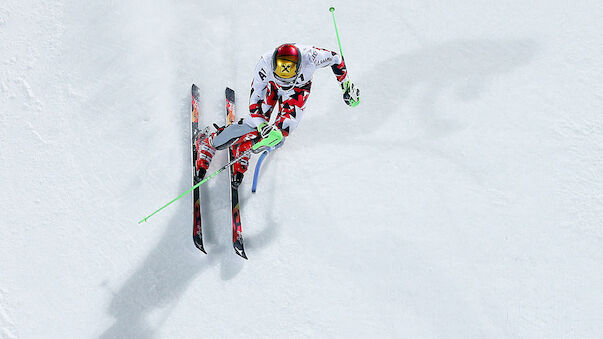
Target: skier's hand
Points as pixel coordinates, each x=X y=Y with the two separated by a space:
x=264 y=129
x=271 y=137
x=351 y=94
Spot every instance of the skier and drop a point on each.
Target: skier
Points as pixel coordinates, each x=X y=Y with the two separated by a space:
x=284 y=77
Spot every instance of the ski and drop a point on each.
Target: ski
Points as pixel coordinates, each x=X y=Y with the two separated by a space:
x=195 y=133
x=237 y=233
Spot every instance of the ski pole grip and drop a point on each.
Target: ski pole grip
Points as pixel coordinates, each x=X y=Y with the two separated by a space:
x=273 y=139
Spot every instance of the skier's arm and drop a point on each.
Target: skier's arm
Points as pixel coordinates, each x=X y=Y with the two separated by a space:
x=324 y=58
x=259 y=87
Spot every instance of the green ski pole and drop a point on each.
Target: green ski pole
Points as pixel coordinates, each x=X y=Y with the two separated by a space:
x=272 y=140
x=345 y=85
x=332 y=10
x=196 y=185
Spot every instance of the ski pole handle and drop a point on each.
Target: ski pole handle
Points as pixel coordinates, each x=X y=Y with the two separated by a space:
x=273 y=139
x=332 y=10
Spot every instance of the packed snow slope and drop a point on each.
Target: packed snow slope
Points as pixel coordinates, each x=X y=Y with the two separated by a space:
x=463 y=198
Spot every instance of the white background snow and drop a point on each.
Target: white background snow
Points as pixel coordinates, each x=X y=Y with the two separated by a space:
x=463 y=198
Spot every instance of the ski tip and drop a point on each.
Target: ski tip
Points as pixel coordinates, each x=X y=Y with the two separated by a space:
x=230 y=94
x=240 y=251
x=201 y=248
x=195 y=91
x=198 y=241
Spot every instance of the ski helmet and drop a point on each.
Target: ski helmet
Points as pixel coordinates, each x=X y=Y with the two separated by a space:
x=286 y=60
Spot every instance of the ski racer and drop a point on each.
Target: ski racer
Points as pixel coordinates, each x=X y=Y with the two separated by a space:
x=283 y=77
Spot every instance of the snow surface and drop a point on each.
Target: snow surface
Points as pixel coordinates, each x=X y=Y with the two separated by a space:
x=462 y=199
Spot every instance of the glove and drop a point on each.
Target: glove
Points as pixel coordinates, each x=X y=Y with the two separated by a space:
x=351 y=94
x=271 y=137
x=264 y=129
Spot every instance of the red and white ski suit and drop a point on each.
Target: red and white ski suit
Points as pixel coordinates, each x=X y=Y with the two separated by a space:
x=266 y=93
x=267 y=90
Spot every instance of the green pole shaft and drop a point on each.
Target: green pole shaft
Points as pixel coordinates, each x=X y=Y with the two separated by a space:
x=332 y=9
x=196 y=185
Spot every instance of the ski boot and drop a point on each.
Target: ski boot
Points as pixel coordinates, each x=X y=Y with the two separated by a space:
x=240 y=166
x=205 y=151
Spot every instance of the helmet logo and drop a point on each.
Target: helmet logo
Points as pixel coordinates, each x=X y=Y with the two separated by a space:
x=286 y=68
x=286 y=61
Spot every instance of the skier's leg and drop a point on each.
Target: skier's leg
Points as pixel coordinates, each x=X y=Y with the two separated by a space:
x=230 y=134
x=221 y=139
x=205 y=152
x=240 y=167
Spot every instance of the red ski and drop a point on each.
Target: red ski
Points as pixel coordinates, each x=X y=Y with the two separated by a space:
x=195 y=132
x=237 y=232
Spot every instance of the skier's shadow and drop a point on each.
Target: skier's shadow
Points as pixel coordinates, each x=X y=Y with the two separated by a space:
x=267 y=193
x=155 y=287
x=158 y=282
x=419 y=80
x=259 y=230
